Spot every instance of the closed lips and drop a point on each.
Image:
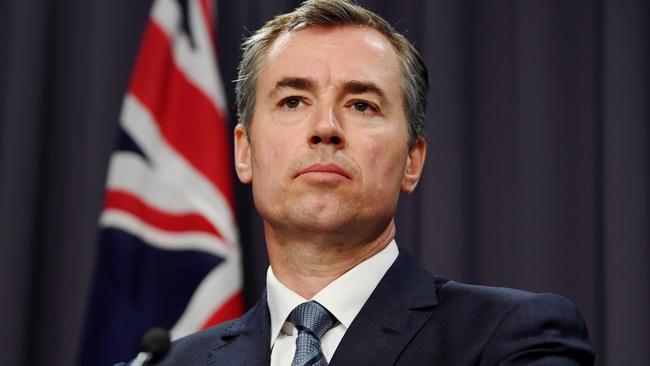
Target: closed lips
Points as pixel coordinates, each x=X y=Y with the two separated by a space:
x=325 y=168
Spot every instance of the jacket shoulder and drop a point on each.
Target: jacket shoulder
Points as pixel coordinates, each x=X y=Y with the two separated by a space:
x=195 y=348
x=517 y=327
x=485 y=296
x=498 y=303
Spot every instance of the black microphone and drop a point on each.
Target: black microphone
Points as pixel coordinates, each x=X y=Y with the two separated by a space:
x=154 y=346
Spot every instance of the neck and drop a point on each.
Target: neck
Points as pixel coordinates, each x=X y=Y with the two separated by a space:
x=306 y=266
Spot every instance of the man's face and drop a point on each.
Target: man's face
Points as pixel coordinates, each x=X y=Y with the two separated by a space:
x=328 y=149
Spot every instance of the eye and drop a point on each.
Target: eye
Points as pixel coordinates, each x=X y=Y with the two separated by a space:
x=364 y=107
x=291 y=102
x=361 y=106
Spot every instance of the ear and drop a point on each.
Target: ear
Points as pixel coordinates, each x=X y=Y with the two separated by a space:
x=243 y=155
x=414 y=165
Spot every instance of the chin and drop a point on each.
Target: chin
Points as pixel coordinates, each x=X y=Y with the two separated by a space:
x=329 y=218
x=322 y=222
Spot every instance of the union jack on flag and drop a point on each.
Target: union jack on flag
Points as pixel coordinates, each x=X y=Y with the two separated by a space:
x=168 y=252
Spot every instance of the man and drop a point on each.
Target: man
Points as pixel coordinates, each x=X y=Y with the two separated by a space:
x=331 y=104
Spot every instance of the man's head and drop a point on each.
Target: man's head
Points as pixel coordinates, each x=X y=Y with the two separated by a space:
x=325 y=137
x=414 y=78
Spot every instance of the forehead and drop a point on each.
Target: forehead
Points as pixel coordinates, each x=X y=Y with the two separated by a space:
x=332 y=55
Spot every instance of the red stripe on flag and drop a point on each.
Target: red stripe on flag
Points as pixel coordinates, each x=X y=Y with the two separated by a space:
x=125 y=201
x=188 y=119
x=206 y=8
x=231 y=309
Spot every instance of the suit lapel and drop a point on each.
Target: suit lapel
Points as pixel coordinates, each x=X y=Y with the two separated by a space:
x=400 y=305
x=246 y=341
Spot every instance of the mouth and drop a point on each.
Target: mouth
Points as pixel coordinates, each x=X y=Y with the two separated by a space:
x=325 y=170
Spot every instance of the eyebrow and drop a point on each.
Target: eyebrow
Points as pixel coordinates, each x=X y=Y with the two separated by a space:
x=293 y=83
x=361 y=87
x=349 y=87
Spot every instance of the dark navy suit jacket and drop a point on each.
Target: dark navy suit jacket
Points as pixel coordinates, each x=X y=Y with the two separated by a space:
x=413 y=318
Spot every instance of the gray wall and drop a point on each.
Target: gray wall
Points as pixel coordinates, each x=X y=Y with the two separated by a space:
x=537 y=175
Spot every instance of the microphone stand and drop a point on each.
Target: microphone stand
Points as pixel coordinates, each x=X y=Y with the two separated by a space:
x=142 y=359
x=154 y=346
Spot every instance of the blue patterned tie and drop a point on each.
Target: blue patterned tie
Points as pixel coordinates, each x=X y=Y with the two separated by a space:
x=312 y=321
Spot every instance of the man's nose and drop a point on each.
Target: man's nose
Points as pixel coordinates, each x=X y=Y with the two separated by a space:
x=326 y=129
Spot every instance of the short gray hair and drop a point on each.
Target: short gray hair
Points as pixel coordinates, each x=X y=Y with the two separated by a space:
x=414 y=75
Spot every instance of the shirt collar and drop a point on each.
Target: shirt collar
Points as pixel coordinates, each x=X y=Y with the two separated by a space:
x=343 y=297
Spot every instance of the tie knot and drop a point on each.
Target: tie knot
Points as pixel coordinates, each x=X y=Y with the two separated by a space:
x=311 y=317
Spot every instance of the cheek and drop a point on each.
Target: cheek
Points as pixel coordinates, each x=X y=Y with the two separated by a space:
x=385 y=162
x=272 y=157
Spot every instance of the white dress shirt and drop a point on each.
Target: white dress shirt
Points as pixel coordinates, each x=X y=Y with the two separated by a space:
x=344 y=298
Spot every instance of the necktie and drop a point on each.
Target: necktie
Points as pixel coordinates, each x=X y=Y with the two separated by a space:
x=312 y=321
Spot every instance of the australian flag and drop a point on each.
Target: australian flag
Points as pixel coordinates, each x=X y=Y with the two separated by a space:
x=168 y=250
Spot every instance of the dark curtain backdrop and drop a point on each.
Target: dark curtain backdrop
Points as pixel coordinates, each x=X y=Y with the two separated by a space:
x=537 y=175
